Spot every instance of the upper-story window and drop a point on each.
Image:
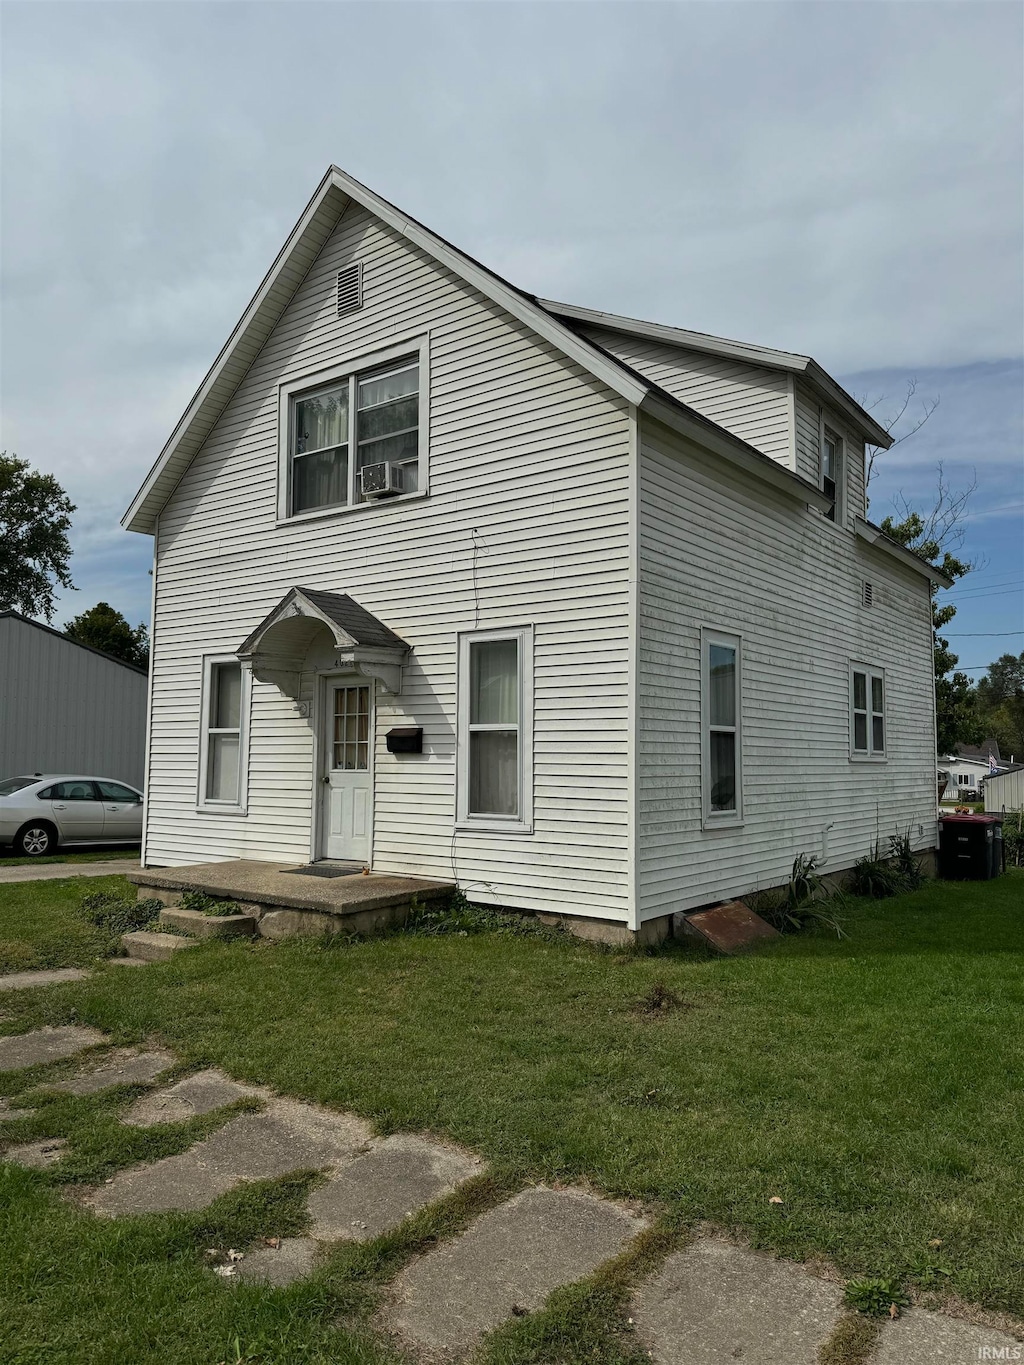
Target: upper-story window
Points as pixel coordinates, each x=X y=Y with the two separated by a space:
x=832 y=473
x=354 y=438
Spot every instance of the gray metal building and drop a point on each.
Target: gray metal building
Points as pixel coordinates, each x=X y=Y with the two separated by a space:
x=65 y=707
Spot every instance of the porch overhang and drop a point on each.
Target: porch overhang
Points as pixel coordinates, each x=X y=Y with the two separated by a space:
x=278 y=648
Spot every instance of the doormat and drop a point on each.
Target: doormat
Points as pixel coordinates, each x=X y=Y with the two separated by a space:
x=729 y=927
x=328 y=870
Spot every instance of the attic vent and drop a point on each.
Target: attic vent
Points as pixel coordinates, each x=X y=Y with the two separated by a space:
x=867 y=593
x=350 y=289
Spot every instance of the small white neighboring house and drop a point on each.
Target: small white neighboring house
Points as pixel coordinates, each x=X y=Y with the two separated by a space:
x=67 y=708
x=967 y=767
x=578 y=611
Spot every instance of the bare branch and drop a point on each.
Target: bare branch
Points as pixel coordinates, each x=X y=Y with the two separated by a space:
x=928 y=406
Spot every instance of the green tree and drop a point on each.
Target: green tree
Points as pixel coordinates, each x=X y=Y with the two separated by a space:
x=35 y=517
x=103 y=627
x=1000 y=703
x=935 y=536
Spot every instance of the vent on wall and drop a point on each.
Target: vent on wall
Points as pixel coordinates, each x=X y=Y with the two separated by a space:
x=867 y=593
x=350 y=289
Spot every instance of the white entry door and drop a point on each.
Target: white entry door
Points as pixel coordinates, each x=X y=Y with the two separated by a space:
x=348 y=795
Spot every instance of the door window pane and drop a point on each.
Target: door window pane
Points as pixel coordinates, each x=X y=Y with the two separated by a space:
x=351 y=747
x=722 y=700
x=222 y=783
x=494 y=682
x=723 y=770
x=494 y=772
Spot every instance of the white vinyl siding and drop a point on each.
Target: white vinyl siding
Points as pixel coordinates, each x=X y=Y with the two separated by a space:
x=749 y=400
x=526 y=520
x=716 y=547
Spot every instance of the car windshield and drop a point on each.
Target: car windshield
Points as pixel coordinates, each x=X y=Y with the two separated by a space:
x=15 y=784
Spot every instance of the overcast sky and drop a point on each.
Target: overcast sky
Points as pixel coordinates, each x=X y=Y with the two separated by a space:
x=842 y=179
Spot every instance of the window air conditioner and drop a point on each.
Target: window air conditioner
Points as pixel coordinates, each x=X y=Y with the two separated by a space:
x=378 y=480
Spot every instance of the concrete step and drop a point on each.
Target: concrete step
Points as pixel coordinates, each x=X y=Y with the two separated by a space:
x=149 y=947
x=198 y=925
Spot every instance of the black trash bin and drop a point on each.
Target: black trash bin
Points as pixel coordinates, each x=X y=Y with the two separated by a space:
x=968 y=847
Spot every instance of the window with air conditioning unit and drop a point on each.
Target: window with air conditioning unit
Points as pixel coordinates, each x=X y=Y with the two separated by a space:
x=356 y=436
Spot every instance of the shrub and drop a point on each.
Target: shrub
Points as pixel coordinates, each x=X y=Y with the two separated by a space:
x=457 y=915
x=897 y=871
x=117 y=915
x=804 y=902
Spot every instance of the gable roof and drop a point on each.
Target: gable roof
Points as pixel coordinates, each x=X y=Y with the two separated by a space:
x=787 y=361
x=90 y=649
x=319 y=218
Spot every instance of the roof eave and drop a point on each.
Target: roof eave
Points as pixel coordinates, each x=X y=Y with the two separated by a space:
x=738 y=453
x=788 y=361
x=874 y=535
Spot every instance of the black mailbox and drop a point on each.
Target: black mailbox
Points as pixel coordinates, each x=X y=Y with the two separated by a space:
x=406 y=739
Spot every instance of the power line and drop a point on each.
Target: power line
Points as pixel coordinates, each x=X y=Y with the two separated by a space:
x=981 y=634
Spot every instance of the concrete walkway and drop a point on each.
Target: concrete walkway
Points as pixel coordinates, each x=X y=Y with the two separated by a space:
x=53 y=872
x=711 y=1302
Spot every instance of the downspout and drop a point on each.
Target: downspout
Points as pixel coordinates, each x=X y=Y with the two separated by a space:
x=633 y=684
x=149 y=693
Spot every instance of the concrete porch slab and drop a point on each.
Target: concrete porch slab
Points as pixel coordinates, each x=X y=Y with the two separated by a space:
x=291 y=903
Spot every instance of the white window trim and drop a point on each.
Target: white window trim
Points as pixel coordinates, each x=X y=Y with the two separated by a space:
x=496 y=824
x=840 y=499
x=204 y=805
x=414 y=347
x=717 y=819
x=870 y=755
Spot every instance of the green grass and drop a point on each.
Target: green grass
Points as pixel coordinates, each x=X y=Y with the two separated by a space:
x=103 y=855
x=875 y=1084
x=40 y=925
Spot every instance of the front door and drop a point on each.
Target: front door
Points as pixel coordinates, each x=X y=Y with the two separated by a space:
x=348 y=791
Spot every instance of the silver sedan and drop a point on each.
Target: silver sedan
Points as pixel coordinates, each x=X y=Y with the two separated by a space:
x=40 y=812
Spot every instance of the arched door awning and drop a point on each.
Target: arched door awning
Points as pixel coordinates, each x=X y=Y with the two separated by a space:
x=353 y=638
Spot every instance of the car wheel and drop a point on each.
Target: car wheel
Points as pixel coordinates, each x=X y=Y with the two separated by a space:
x=36 y=839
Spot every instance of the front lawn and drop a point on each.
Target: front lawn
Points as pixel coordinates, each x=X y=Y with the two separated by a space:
x=874 y=1084
x=40 y=925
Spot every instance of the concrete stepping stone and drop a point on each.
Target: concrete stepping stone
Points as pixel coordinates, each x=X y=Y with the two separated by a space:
x=508 y=1261
x=717 y=1304
x=281 y=1265
x=200 y=1093
x=46 y=1045
x=378 y=1191
x=919 y=1337
x=21 y=981
x=288 y=1136
x=124 y=1067
x=37 y=1155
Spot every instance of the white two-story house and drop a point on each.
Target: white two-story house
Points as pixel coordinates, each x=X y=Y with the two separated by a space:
x=580 y=612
